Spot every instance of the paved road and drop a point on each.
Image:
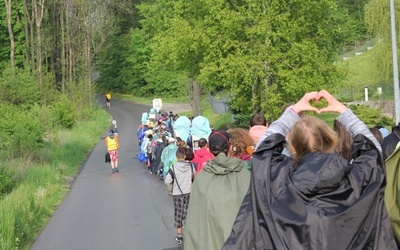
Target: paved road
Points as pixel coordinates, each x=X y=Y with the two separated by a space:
x=126 y=210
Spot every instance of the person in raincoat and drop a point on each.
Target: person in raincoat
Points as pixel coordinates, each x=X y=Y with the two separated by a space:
x=216 y=196
x=316 y=199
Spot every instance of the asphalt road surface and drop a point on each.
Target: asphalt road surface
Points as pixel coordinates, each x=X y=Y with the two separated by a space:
x=126 y=210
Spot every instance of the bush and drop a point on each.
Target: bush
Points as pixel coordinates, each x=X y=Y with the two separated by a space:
x=242 y=120
x=64 y=112
x=7 y=182
x=20 y=131
x=21 y=89
x=371 y=116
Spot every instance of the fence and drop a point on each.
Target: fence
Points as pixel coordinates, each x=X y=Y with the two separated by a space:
x=384 y=92
x=219 y=106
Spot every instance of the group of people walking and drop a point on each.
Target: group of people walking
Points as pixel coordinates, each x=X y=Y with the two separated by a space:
x=293 y=184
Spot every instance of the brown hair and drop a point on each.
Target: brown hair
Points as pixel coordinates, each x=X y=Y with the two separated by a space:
x=202 y=142
x=311 y=134
x=239 y=142
x=377 y=133
x=345 y=140
x=189 y=154
x=258 y=119
x=181 y=153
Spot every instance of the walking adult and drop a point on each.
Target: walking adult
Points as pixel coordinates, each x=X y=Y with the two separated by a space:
x=108 y=99
x=317 y=199
x=216 y=196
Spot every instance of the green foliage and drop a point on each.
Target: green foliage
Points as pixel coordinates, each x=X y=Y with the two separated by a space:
x=21 y=89
x=371 y=116
x=42 y=185
x=7 y=181
x=18 y=32
x=115 y=74
x=242 y=120
x=264 y=55
x=286 y=46
x=362 y=69
x=20 y=131
x=64 y=112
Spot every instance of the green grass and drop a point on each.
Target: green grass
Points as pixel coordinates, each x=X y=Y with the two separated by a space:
x=360 y=48
x=43 y=183
x=362 y=72
x=328 y=118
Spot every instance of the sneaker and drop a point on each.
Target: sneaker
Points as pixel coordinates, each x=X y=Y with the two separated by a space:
x=113 y=170
x=116 y=170
x=179 y=240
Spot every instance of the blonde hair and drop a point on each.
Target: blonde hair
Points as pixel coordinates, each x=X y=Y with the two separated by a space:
x=240 y=141
x=311 y=134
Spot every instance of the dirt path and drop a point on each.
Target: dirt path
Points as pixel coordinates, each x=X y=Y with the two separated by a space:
x=176 y=108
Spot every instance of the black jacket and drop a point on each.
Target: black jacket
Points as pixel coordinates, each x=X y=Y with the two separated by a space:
x=323 y=202
x=390 y=142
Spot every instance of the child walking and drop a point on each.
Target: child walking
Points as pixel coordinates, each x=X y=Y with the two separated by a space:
x=181 y=175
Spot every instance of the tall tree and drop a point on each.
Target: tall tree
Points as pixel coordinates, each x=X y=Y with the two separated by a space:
x=8 y=4
x=272 y=51
x=377 y=15
x=38 y=11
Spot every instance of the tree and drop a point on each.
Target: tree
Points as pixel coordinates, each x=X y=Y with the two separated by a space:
x=38 y=11
x=377 y=15
x=260 y=52
x=11 y=34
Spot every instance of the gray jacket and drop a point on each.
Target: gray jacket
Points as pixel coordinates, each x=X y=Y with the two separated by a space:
x=183 y=171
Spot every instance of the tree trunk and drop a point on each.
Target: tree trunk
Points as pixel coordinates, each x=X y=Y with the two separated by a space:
x=254 y=96
x=88 y=54
x=38 y=20
x=68 y=45
x=63 y=50
x=32 y=34
x=196 y=98
x=26 y=26
x=11 y=34
x=56 y=51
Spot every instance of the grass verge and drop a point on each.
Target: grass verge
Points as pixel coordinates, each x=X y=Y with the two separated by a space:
x=43 y=182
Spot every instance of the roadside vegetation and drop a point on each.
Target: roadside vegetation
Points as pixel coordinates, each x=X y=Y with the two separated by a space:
x=33 y=186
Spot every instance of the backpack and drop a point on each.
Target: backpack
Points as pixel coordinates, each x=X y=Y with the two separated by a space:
x=142 y=157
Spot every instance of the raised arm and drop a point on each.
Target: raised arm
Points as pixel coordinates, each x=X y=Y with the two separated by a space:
x=290 y=116
x=346 y=117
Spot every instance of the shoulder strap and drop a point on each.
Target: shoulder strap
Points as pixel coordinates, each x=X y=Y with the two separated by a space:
x=175 y=179
x=191 y=169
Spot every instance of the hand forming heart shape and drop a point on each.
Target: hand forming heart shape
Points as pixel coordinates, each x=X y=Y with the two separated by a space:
x=333 y=105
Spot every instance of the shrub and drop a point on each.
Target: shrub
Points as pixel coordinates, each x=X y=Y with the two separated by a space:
x=64 y=112
x=21 y=89
x=371 y=116
x=242 y=120
x=20 y=131
x=7 y=182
